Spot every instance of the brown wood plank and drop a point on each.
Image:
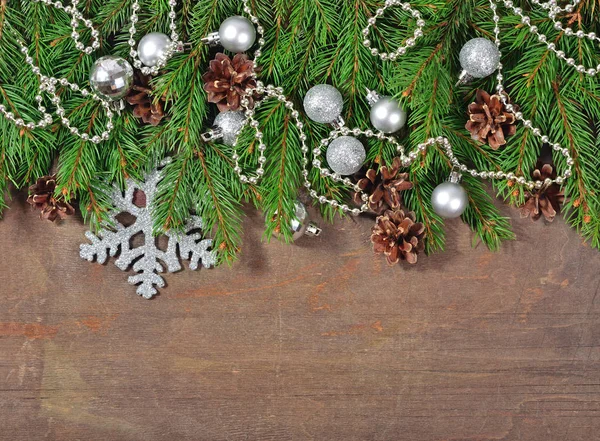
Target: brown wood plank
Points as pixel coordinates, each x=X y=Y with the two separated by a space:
x=315 y=341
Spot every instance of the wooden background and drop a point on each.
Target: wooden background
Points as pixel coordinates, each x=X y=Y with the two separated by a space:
x=315 y=341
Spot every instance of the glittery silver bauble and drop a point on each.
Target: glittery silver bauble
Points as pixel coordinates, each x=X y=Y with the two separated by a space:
x=111 y=77
x=237 y=34
x=346 y=155
x=479 y=57
x=152 y=47
x=449 y=200
x=230 y=124
x=388 y=115
x=323 y=103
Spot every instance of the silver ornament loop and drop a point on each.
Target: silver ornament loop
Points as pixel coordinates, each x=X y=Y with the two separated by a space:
x=410 y=42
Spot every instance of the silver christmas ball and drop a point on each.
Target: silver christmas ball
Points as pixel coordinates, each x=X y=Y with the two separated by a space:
x=479 y=57
x=111 y=77
x=230 y=124
x=300 y=222
x=346 y=155
x=153 y=47
x=237 y=34
x=449 y=200
x=388 y=115
x=323 y=103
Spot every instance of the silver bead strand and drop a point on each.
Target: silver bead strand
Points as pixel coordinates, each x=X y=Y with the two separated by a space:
x=76 y=18
x=554 y=10
x=174 y=47
x=410 y=42
x=48 y=86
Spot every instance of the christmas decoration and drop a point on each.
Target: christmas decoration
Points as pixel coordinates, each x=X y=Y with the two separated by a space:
x=153 y=48
x=384 y=187
x=449 y=200
x=399 y=236
x=489 y=122
x=323 y=103
x=386 y=114
x=546 y=200
x=147 y=260
x=300 y=224
x=145 y=106
x=236 y=34
x=283 y=153
x=228 y=125
x=111 y=77
x=41 y=196
x=346 y=155
x=479 y=58
x=229 y=80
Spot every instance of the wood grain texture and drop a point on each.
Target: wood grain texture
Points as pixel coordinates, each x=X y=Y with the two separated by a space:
x=318 y=341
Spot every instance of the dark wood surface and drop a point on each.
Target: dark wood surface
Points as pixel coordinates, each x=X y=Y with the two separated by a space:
x=320 y=340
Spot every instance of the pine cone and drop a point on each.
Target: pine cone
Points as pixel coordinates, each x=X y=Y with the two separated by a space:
x=41 y=196
x=145 y=106
x=398 y=236
x=384 y=187
x=545 y=201
x=227 y=80
x=489 y=122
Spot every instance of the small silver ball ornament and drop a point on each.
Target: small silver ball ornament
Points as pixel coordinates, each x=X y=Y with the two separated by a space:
x=387 y=115
x=152 y=47
x=300 y=224
x=346 y=155
x=237 y=34
x=111 y=77
x=449 y=200
x=479 y=57
x=323 y=103
x=229 y=124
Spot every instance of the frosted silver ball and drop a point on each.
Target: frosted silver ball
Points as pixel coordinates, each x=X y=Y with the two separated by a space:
x=300 y=221
x=388 y=115
x=230 y=124
x=449 y=200
x=479 y=57
x=153 y=47
x=111 y=77
x=323 y=103
x=237 y=34
x=346 y=155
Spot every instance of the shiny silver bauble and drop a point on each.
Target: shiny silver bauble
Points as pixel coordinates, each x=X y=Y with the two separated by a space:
x=479 y=57
x=387 y=115
x=111 y=77
x=229 y=125
x=346 y=155
x=152 y=48
x=237 y=34
x=323 y=103
x=449 y=200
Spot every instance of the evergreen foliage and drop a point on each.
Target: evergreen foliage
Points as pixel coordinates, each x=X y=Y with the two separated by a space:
x=307 y=42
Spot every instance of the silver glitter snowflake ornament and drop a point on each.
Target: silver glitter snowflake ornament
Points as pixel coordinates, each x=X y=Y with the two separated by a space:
x=148 y=260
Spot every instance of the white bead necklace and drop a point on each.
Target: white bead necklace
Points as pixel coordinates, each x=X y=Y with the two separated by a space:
x=48 y=86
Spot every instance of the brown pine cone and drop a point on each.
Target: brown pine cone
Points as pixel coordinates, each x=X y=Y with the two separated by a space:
x=384 y=187
x=398 y=236
x=489 y=122
x=146 y=106
x=41 y=196
x=544 y=201
x=227 y=80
